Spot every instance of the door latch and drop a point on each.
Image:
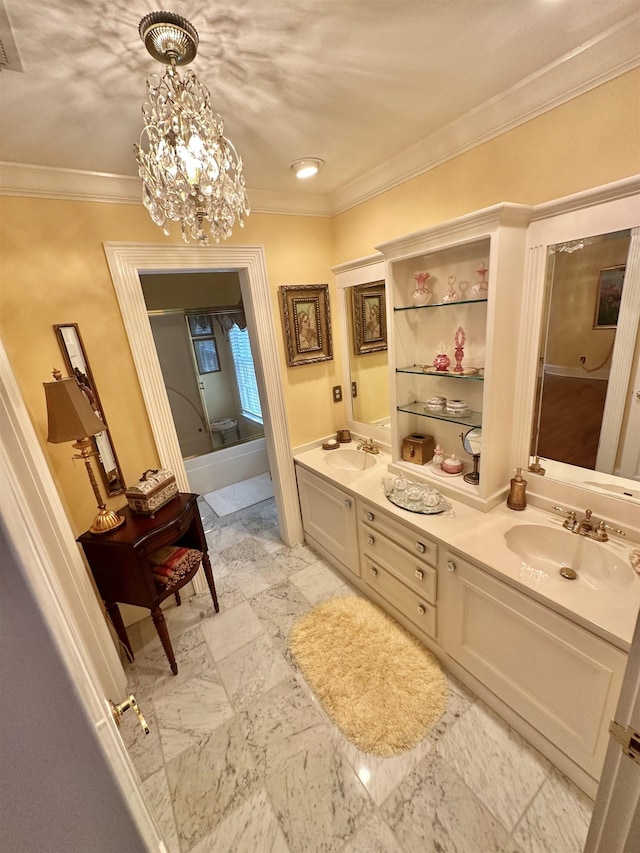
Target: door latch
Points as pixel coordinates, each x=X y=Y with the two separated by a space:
x=129 y=702
x=628 y=738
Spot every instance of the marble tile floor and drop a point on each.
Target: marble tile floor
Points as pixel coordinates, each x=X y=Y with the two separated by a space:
x=242 y=759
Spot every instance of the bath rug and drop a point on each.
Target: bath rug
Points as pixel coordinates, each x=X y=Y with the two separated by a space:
x=379 y=684
x=240 y=495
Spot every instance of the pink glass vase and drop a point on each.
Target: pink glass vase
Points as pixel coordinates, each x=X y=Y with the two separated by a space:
x=421 y=295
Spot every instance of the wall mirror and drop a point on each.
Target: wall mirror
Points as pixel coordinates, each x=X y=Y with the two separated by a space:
x=582 y=305
x=361 y=286
x=77 y=365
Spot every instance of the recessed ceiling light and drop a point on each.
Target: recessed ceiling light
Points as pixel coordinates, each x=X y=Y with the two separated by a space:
x=307 y=168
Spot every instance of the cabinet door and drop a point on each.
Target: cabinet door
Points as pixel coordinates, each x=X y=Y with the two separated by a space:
x=329 y=518
x=558 y=676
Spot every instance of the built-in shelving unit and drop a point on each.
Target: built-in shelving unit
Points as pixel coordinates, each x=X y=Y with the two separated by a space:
x=452 y=254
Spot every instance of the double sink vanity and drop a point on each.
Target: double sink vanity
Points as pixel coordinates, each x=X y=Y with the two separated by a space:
x=536 y=619
x=483 y=591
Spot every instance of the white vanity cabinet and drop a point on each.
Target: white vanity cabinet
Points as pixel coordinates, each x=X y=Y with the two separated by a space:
x=329 y=519
x=556 y=675
x=482 y=323
x=400 y=566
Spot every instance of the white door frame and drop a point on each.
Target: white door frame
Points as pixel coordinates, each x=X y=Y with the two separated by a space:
x=50 y=561
x=126 y=262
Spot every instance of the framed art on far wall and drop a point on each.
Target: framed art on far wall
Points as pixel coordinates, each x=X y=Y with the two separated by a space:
x=307 y=323
x=369 y=318
x=609 y=296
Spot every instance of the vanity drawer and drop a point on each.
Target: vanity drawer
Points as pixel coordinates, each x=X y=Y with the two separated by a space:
x=405 y=600
x=408 y=568
x=415 y=543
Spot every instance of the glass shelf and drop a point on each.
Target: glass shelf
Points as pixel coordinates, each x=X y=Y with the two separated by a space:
x=417 y=369
x=439 y=304
x=417 y=408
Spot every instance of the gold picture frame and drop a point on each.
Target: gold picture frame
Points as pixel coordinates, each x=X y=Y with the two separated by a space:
x=369 y=318
x=609 y=297
x=77 y=364
x=307 y=323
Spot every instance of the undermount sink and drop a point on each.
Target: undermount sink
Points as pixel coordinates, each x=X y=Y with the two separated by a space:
x=349 y=460
x=550 y=550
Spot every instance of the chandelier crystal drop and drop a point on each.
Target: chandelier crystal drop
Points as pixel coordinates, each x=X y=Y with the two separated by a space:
x=191 y=173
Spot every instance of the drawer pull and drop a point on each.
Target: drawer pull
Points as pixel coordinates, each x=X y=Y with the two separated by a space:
x=418 y=573
x=373 y=572
x=451 y=566
x=370 y=516
x=420 y=548
x=422 y=609
x=370 y=540
x=347 y=503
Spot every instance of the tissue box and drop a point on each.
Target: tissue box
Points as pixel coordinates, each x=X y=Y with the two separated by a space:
x=417 y=448
x=155 y=488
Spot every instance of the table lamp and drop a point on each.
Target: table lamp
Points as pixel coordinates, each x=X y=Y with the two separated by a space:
x=71 y=418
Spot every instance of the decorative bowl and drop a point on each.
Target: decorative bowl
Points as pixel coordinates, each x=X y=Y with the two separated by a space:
x=436 y=404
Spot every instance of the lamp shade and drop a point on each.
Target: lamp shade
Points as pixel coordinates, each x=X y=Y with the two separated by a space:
x=69 y=414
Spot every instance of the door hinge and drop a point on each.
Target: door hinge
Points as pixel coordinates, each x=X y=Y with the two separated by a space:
x=628 y=738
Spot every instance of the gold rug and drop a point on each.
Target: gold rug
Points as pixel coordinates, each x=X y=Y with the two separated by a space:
x=380 y=686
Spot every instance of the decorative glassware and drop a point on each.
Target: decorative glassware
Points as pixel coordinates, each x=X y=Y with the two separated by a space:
x=421 y=295
x=452 y=294
x=442 y=361
x=481 y=287
x=459 y=339
x=438 y=457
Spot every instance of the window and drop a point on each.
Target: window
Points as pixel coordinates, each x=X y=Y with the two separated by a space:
x=245 y=373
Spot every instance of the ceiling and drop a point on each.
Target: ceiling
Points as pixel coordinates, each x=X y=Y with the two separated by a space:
x=379 y=89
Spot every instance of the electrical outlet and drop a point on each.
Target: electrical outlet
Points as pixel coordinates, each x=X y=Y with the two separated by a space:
x=337 y=393
x=354 y=389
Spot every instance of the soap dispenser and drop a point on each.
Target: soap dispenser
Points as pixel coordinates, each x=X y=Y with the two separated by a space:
x=518 y=493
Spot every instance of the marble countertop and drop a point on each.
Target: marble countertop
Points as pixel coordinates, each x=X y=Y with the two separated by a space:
x=610 y=614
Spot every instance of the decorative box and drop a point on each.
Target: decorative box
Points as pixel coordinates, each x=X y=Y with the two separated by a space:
x=417 y=448
x=155 y=488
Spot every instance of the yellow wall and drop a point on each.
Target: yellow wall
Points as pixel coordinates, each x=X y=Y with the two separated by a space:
x=587 y=142
x=54 y=269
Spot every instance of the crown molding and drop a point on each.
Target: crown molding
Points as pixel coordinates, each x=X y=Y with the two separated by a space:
x=603 y=58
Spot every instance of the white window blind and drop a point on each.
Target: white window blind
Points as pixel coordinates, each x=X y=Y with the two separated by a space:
x=245 y=373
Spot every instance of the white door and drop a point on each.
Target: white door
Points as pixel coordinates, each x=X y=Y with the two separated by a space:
x=45 y=552
x=615 y=826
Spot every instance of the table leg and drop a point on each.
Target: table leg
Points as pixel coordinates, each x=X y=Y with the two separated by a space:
x=206 y=565
x=163 y=632
x=116 y=620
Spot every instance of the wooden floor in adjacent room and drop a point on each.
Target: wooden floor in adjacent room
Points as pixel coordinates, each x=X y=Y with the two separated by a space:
x=571 y=418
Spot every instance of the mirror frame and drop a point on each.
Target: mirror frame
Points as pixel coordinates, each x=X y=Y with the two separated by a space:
x=367 y=270
x=613 y=207
x=60 y=329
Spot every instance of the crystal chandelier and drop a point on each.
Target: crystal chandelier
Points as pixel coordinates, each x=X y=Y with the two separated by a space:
x=190 y=172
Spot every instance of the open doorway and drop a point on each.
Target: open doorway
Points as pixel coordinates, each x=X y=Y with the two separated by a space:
x=203 y=344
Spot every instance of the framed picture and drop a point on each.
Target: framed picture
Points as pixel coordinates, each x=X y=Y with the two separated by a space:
x=76 y=362
x=307 y=323
x=206 y=351
x=609 y=295
x=200 y=325
x=369 y=318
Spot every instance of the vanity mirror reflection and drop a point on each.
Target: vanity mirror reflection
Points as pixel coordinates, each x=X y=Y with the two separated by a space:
x=580 y=402
x=361 y=286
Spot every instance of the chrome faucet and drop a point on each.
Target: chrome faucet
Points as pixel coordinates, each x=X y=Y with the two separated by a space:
x=586 y=526
x=369 y=446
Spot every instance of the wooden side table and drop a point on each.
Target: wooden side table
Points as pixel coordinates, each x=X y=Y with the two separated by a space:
x=123 y=572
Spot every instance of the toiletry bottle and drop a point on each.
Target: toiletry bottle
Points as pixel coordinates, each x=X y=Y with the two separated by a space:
x=518 y=493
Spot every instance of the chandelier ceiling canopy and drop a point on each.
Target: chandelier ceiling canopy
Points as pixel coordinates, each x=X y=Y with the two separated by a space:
x=191 y=173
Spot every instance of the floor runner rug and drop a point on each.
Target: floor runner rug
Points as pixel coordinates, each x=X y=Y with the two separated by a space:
x=240 y=495
x=380 y=686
